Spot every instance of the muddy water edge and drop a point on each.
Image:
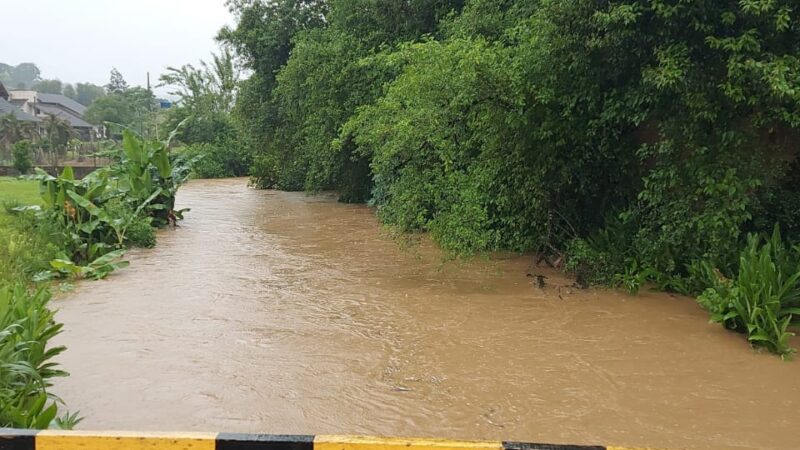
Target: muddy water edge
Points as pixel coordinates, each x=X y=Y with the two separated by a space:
x=284 y=313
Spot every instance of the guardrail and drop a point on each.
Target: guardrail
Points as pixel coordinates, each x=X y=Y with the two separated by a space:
x=12 y=439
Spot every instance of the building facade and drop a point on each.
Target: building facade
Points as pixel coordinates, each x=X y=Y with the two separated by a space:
x=40 y=105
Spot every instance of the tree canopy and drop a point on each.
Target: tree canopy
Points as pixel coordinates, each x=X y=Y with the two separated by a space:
x=124 y=105
x=528 y=125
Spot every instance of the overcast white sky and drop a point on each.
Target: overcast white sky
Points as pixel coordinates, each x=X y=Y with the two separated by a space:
x=81 y=40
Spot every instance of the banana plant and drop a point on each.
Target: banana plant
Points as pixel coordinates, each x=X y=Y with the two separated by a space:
x=146 y=169
x=99 y=268
x=93 y=214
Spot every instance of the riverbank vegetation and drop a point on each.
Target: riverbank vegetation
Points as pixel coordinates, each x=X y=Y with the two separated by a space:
x=630 y=142
x=26 y=360
x=207 y=132
x=61 y=227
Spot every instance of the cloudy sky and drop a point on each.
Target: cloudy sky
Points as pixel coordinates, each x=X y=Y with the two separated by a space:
x=81 y=40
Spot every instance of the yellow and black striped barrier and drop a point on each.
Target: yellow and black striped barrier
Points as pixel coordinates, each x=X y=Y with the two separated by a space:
x=12 y=439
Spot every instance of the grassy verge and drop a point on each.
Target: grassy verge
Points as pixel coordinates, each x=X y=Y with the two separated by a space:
x=22 y=251
x=16 y=191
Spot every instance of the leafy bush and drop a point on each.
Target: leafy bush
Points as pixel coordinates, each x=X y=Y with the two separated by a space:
x=589 y=265
x=26 y=366
x=763 y=298
x=22 y=153
x=217 y=160
x=141 y=233
x=442 y=154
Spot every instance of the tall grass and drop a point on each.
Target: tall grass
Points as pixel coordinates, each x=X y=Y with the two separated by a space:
x=26 y=247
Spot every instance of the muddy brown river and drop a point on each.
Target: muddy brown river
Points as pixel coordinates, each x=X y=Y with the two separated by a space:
x=284 y=313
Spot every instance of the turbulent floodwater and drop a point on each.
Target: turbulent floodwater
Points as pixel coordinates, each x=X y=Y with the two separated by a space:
x=282 y=313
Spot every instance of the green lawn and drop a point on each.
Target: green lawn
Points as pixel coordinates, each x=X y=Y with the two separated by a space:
x=14 y=190
x=15 y=259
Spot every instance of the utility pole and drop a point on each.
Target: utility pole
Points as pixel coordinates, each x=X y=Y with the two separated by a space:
x=153 y=111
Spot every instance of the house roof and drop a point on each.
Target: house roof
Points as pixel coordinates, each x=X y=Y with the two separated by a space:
x=3 y=92
x=73 y=120
x=61 y=100
x=7 y=108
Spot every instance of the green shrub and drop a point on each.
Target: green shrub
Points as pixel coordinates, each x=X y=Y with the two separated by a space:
x=446 y=151
x=590 y=265
x=22 y=156
x=210 y=163
x=763 y=299
x=264 y=172
x=217 y=160
x=141 y=233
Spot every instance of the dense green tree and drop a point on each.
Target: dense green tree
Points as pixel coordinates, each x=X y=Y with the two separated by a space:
x=112 y=108
x=202 y=115
x=57 y=133
x=13 y=130
x=87 y=93
x=495 y=20
x=205 y=97
x=23 y=156
x=695 y=95
x=5 y=72
x=378 y=22
x=116 y=83
x=49 y=86
x=207 y=91
x=265 y=30
x=69 y=91
x=263 y=39
x=131 y=108
x=292 y=127
x=534 y=124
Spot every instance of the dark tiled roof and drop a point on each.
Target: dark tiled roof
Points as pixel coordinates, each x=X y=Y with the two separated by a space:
x=7 y=108
x=61 y=100
x=73 y=120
